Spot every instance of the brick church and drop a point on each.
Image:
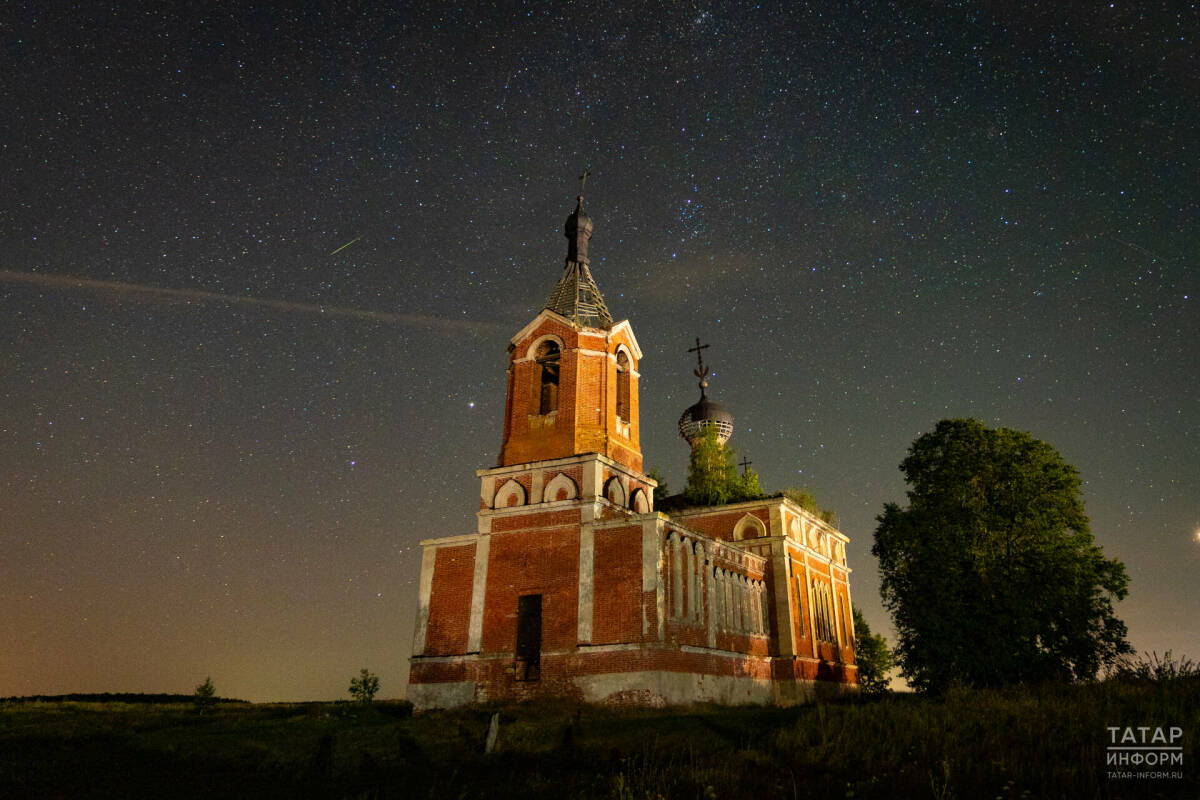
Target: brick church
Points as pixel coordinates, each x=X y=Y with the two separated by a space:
x=574 y=586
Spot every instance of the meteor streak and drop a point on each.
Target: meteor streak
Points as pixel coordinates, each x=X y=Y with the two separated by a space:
x=347 y=244
x=1148 y=252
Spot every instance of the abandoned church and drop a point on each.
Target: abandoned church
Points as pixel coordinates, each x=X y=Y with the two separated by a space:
x=573 y=585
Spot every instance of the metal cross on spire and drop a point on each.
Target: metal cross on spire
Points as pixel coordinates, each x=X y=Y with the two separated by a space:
x=745 y=465
x=587 y=173
x=701 y=371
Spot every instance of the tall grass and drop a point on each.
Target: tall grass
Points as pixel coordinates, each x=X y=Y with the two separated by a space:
x=1013 y=743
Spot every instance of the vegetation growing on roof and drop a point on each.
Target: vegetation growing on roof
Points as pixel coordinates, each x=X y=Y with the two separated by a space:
x=805 y=499
x=713 y=478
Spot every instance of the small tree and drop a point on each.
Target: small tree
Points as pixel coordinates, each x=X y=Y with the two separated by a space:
x=364 y=687
x=204 y=696
x=712 y=474
x=746 y=487
x=872 y=656
x=662 y=490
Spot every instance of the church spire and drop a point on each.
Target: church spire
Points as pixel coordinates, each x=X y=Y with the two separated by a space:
x=576 y=295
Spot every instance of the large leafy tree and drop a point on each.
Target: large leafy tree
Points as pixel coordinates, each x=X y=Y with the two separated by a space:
x=991 y=574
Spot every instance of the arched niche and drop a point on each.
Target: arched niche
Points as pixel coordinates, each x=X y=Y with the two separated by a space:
x=614 y=492
x=509 y=495
x=749 y=527
x=560 y=487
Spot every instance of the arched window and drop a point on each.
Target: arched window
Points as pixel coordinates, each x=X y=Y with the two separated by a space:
x=548 y=358
x=823 y=611
x=622 y=386
x=802 y=617
x=818 y=611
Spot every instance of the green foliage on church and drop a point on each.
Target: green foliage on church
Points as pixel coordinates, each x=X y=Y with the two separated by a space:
x=805 y=499
x=990 y=573
x=747 y=486
x=713 y=479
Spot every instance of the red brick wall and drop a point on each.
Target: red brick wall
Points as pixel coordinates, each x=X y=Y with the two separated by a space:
x=535 y=520
x=450 y=600
x=544 y=562
x=441 y=671
x=617 y=588
x=720 y=525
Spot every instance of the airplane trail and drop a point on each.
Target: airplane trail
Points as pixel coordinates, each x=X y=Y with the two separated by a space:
x=144 y=292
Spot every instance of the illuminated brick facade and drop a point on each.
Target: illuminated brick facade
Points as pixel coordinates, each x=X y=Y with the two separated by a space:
x=573 y=586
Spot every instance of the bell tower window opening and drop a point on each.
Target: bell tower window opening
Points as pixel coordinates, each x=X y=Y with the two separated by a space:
x=548 y=359
x=622 y=386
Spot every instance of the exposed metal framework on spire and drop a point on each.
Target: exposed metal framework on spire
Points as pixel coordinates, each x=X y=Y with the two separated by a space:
x=576 y=295
x=577 y=298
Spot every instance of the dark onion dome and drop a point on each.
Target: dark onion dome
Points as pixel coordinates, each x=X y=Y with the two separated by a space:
x=706 y=414
x=578 y=229
x=578 y=221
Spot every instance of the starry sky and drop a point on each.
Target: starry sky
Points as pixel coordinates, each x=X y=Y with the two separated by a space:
x=260 y=268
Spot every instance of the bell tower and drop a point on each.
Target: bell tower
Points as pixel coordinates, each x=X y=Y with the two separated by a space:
x=573 y=371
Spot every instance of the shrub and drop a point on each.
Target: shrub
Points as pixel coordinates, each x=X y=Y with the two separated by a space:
x=364 y=687
x=1149 y=668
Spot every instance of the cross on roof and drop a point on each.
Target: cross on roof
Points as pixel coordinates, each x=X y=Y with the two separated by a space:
x=745 y=465
x=583 y=179
x=701 y=372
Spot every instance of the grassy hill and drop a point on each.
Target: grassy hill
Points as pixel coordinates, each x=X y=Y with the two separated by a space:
x=1017 y=743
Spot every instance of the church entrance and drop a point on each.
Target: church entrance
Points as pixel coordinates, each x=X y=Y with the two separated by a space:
x=528 y=657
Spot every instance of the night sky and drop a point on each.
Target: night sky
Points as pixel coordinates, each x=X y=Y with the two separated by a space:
x=260 y=269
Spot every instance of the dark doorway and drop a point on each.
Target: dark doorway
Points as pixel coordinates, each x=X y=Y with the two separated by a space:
x=528 y=662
